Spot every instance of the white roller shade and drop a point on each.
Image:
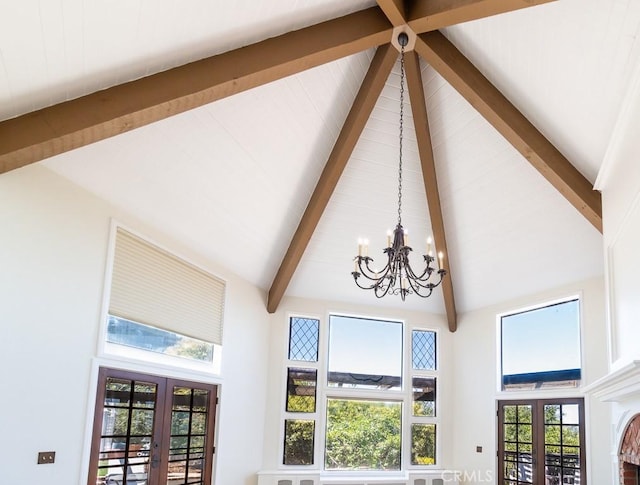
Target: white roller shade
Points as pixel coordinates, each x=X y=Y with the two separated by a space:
x=153 y=287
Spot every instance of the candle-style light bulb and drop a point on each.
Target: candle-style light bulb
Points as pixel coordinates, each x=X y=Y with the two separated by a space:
x=388 y=238
x=359 y=247
x=429 y=241
x=441 y=258
x=405 y=239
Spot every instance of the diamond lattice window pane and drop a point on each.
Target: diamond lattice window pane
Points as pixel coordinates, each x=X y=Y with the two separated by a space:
x=303 y=339
x=424 y=350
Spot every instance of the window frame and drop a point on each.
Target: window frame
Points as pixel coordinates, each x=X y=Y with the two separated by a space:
x=323 y=392
x=436 y=418
x=551 y=390
x=283 y=398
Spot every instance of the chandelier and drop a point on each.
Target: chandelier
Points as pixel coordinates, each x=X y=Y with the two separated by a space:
x=398 y=277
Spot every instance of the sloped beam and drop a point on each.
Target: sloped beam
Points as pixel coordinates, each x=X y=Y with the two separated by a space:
x=425 y=16
x=452 y=65
x=425 y=148
x=72 y=124
x=363 y=104
x=394 y=10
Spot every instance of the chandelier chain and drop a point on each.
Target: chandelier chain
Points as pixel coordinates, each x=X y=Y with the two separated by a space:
x=401 y=134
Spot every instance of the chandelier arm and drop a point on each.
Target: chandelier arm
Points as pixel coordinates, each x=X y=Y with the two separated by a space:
x=409 y=269
x=355 y=278
x=442 y=274
x=381 y=290
x=373 y=271
x=424 y=277
x=416 y=288
x=421 y=283
x=384 y=284
x=434 y=284
x=369 y=273
x=356 y=275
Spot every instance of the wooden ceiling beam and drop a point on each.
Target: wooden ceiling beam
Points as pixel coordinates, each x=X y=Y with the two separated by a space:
x=425 y=149
x=458 y=71
x=50 y=131
x=357 y=118
x=426 y=16
x=394 y=10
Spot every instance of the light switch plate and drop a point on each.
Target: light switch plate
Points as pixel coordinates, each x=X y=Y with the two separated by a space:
x=46 y=457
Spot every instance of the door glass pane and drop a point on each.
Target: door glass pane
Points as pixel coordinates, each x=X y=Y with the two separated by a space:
x=198 y=423
x=180 y=422
x=524 y=414
x=200 y=400
x=144 y=395
x=552 y=434
x=570 y=414
x=127 y=426
x=188 y=435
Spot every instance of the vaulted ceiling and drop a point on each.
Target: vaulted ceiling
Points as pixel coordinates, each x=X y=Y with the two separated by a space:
x=265 y=136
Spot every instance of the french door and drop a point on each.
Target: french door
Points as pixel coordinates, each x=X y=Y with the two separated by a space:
x=541 y=442
x=150 y=430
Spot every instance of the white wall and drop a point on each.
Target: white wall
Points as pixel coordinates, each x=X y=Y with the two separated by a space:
x=53 y=246
x=476 y=383
x=619 y=182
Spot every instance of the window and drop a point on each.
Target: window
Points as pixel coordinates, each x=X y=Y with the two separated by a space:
x=423 y=405
x=299 y=441
x=161 y=304
x=541 y=441
x=541 y=347
x=364 y=353
x=363 y=435
x=302 y=378
x=363 y=399
x=145 y=337
x=303 y=340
